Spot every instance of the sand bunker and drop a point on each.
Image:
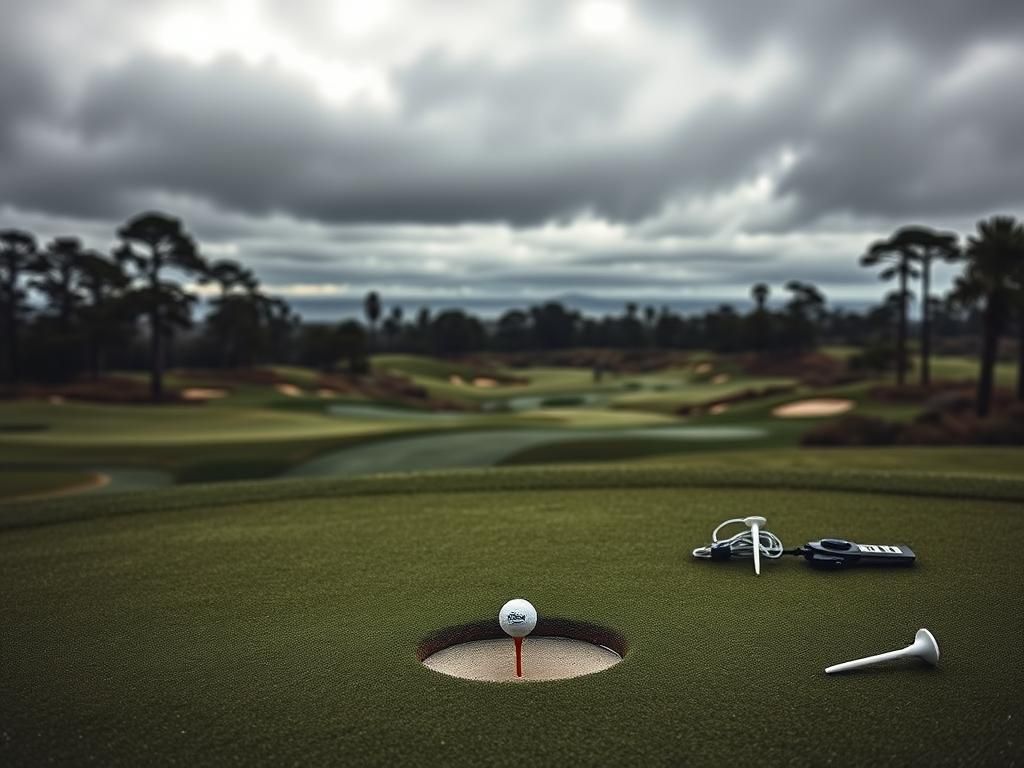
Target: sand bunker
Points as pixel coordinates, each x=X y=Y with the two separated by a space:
x=326 y=393
x=703 y=368
x=806 y=409
x=458 y=381
x=200 y=394
x=722 y=378
x=484 y=383
x=544 y=658
x=289 y=390
x=718 y=408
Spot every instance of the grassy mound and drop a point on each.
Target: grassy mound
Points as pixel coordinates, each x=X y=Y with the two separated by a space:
x=279 y=622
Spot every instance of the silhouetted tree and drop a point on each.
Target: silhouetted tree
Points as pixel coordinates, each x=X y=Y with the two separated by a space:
x=554 y=326
x=804 y=312
x=352 y=346
x=237 y=315
x=105 y=317
x=453 y=332
x=512 y=333
x=925 y=246
x=393 y=326
x=18 y=256
x=995 y=266
x=320 y=346
x=898 y=257
x=372 y=308
x=152 y=243
x=59 y=269
x=759 y=292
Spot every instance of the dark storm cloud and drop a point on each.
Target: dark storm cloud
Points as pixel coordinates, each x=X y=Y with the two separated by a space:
x=827 y=28
x=209 y=132
x=886 y=111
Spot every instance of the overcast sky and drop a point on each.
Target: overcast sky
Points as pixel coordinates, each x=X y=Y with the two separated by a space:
x=511 y=151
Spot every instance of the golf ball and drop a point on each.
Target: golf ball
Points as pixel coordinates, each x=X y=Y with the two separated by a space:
x=517 y=617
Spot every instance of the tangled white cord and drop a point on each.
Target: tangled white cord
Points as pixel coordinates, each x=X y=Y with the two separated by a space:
x=742 y=544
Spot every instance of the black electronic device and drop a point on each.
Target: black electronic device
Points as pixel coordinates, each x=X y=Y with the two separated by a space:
x=830 y=554
x=840 y=553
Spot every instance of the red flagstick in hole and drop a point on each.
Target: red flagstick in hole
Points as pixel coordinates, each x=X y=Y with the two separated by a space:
x=519 y=655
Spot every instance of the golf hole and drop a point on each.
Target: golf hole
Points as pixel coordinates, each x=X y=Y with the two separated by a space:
x=557 y=649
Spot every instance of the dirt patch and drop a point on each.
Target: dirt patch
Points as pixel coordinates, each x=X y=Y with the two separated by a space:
x=813 y=409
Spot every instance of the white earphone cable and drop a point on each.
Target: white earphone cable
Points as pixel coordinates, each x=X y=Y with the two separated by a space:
x=742 y=543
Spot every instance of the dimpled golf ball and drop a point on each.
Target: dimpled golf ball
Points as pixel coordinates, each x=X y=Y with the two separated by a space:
x=517 y=617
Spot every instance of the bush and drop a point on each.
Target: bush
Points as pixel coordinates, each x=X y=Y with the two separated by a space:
x=853 y=430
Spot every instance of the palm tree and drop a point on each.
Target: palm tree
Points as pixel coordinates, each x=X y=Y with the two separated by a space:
x=371 y=306
x=759 y=292
x=18 y=255
x=993 y=275
x=898 y=257
x=926 y=245
x=151 y=243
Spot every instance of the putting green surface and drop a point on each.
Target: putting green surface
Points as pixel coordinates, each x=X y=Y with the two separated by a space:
x=278 y=622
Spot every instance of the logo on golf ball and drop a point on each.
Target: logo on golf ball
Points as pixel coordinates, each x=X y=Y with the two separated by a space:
x=517 y=617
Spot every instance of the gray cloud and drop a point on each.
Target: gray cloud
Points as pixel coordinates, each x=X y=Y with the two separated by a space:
x=498 y=129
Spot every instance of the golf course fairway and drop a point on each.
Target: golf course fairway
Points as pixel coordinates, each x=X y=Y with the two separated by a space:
x=279 y=622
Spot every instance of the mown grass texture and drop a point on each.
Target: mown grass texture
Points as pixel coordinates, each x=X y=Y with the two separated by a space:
x=278 y=622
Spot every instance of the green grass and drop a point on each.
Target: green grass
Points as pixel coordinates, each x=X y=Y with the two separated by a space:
x=26 y=482
x=670 y=400
x=949 y=462
x=278 y=622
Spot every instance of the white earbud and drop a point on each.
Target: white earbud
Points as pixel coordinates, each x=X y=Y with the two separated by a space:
x=754 y=522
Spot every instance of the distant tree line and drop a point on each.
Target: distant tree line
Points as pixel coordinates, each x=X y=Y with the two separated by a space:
x=92 y=307
x=68 y=311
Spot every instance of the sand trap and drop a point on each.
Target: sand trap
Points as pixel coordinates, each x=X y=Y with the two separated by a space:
x=722 y=378
x=484 y=383
x=718 y=408
x=289 y=390
x=458 y=381
x=805 y=409
x=326 y=394
x=544 y=658
x=202 y=393
x=703 y=368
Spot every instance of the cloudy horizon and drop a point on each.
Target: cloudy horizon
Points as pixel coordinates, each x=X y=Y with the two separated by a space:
x=500 y=154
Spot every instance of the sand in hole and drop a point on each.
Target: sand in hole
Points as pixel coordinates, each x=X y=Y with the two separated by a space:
x=804 y=409
x=544 y=658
